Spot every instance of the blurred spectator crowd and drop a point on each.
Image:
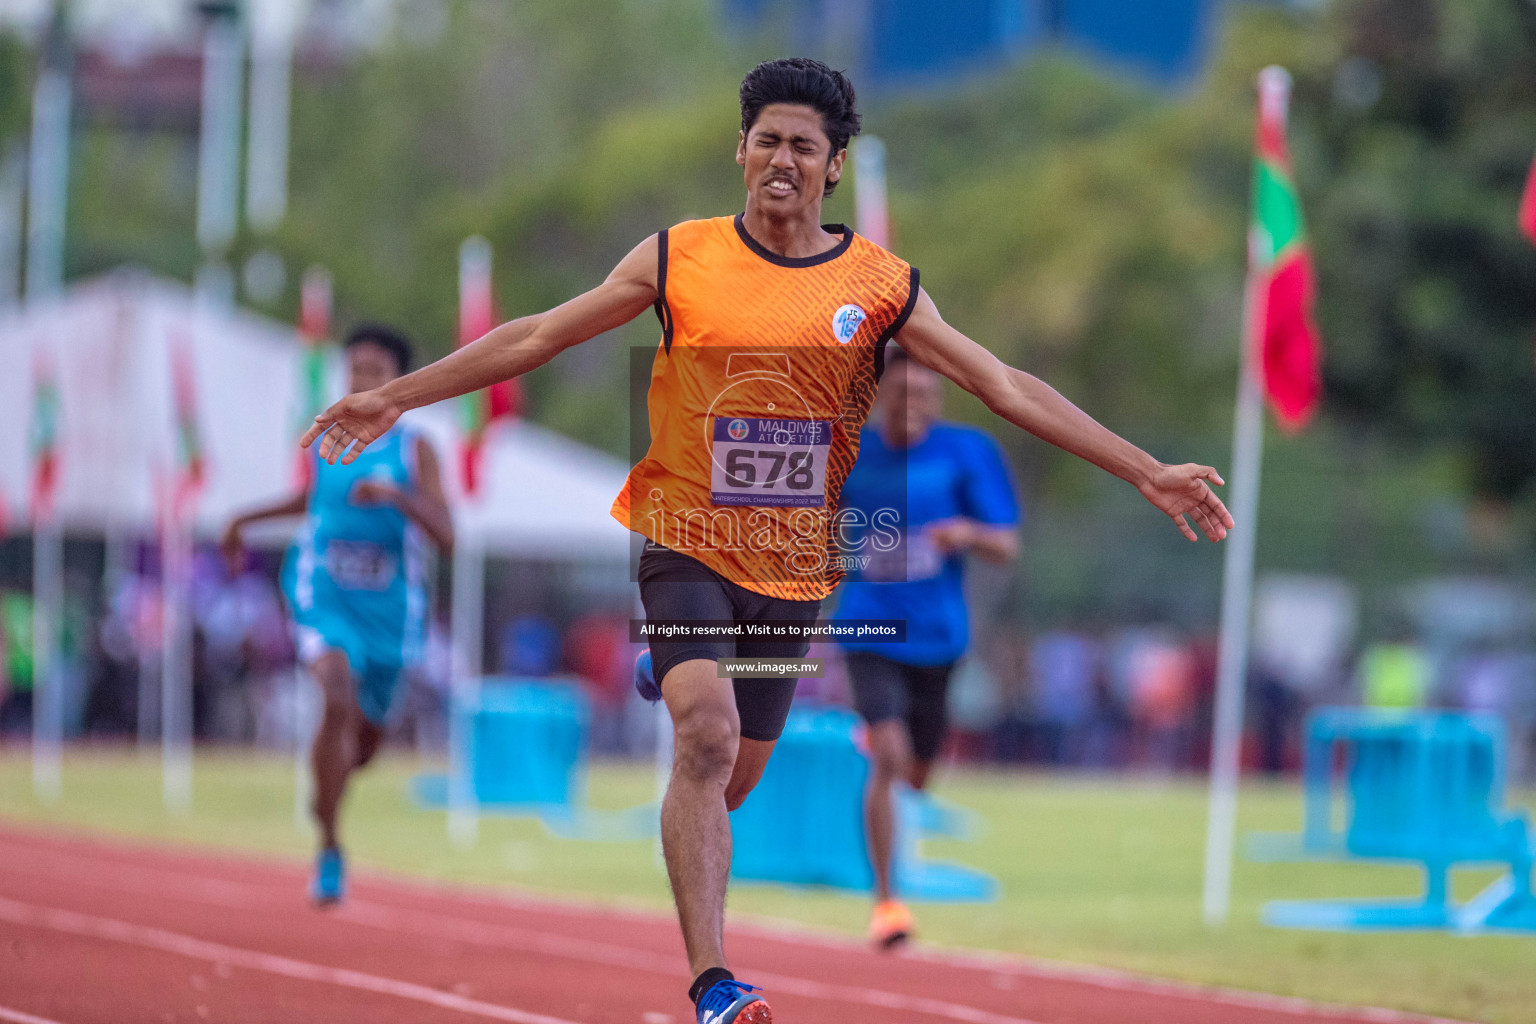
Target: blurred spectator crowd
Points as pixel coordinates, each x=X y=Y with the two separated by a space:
x=1097 y=696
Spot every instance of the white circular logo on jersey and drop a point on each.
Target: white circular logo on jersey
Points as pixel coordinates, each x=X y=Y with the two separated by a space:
x=737 y=430
x=845 y=323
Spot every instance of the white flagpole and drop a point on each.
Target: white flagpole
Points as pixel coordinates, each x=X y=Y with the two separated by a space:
x=1237 y=578
x=468 y=623
x=218 y=164
x=266 y=174
x=869 y=200
x=47 y=199
x=47 y=695
x=464 y=688
x=315 y=302
x=176 y=666
x=303 y=737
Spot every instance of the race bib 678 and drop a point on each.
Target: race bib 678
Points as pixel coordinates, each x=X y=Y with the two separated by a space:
x=769 y=461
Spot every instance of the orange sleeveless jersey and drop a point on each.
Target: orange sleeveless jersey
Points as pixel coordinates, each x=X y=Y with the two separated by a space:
x=764 y=375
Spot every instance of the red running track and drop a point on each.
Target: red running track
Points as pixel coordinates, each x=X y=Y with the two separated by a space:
x=100 y=932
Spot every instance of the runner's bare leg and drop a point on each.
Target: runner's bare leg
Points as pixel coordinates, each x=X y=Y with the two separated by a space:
x=695 y=831
x=891 y=755
x=334 y=753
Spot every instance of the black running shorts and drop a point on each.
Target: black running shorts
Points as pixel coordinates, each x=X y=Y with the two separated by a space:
x=675 y=587
x=886 y=690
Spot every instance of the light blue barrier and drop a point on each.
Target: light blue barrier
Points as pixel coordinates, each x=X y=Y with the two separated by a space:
x=804 y=823
x=1420 y=787
x=525 y=755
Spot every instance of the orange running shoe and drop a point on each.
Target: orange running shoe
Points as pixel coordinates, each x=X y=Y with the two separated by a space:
x=890 y=925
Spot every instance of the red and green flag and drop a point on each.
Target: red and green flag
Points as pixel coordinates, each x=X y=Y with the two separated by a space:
x=44 y=436
x=477 y=316
x=1280 y=271
x=189 y=441
x=314 y=337
x=1528 y=206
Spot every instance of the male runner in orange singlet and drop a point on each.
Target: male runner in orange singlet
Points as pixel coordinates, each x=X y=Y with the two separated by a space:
x=772 y=330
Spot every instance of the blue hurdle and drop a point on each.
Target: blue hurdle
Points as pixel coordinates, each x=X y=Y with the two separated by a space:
x=1422 y=787
x=525 y=753
x=804 y=823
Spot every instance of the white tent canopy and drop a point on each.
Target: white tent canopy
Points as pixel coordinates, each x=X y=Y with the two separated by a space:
x=111 y=343
x=542 y=494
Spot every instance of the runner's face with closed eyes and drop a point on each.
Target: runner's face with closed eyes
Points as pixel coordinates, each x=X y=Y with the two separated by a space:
x=788 y=160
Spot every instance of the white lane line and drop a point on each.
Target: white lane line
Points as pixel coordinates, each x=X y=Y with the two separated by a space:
x=1019 y=965
x=197 y=949
x=203 y=889
x=1122 y=981
x=17 y=1017
x=153 y=882
x=422 y=922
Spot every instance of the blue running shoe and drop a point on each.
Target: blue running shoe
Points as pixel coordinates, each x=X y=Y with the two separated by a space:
x=732 y=1002
x=645 y=678
x=330 y=883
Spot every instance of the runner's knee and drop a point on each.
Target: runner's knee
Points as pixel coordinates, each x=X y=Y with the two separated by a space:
x=889 y=752
x=334 y=677
x=705 y=742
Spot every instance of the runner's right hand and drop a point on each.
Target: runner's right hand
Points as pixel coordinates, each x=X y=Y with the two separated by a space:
x=351 y=425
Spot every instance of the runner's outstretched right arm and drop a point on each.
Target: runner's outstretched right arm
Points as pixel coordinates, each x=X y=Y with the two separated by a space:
x=508 y=351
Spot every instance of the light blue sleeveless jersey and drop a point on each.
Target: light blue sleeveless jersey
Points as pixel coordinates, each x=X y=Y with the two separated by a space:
x=357 y=580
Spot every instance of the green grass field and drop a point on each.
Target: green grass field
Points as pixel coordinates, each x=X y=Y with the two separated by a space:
x=1097 y=871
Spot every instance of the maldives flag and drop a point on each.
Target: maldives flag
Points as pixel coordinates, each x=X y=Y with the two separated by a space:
x=477 y=316
x=314 y=335
x=44 y=437
x=1528 y=206
x=189 y=442
x=1280 y=268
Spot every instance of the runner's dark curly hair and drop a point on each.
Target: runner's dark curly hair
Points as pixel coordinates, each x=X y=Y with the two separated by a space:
x=809 y=83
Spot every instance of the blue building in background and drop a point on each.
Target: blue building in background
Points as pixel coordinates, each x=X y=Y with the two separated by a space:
x=896 y=41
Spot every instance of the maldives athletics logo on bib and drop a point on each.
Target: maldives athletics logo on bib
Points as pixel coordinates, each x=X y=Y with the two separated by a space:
x=738 y=430
x=845 y=323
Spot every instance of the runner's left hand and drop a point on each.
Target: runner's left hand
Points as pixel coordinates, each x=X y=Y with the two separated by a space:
x=1181 y=491
x=351 y=425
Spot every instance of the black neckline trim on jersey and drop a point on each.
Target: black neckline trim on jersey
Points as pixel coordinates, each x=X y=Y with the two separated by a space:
x=896 y=325
x=796 y=261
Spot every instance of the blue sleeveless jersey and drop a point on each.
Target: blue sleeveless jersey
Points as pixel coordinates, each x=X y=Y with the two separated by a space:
x=358 y=571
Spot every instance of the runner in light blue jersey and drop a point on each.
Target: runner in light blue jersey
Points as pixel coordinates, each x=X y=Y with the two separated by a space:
x=356 y=584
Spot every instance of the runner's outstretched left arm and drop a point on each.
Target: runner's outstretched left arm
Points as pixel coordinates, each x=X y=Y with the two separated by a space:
x=1031 y=404
x=510 y=350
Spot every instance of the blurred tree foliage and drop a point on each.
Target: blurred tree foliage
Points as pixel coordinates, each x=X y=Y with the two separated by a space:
x=16 y=71
x=1419 y=135
x=1083 y=225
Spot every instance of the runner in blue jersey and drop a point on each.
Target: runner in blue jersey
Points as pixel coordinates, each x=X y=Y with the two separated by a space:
x=355 y=582
x=926 y=493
